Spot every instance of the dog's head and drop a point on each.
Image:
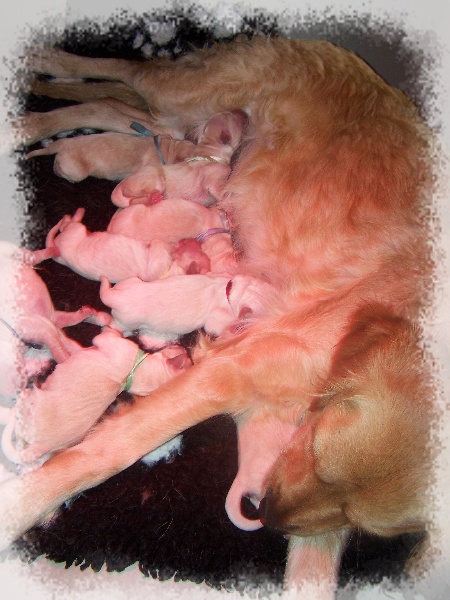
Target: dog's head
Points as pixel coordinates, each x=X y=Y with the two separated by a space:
x=362 y=457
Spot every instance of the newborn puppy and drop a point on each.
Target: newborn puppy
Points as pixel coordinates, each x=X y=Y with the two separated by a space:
x=168 y=221
x=118 y=256
x=60 y=412
x=27 y=314
x=201 y=170
x=218 y=247
x=109 y=155
x=211 y=302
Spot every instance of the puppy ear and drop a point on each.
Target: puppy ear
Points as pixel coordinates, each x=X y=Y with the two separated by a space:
x=179 y=362
x=224 y=129
x=244 y=312
x=193 y=268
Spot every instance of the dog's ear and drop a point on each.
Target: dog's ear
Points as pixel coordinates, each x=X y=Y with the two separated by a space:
x=355 y=458
x=374 y=376
x=376 y=421
x=374 y=332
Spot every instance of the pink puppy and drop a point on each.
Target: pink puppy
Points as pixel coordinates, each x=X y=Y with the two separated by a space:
x=76 y=394
x=195 y=172
x=27 y=314
x=168 y=221
x=218 y=247
x=212 y=302
x=107 y=155
x=118 y=256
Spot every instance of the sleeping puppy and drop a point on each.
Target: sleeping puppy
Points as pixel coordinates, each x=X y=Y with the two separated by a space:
x=326 y=202
x=117 y=256
x=212 y=302
x=195 y=172
x=168 y=221
x=27 y=314
x=76 y=394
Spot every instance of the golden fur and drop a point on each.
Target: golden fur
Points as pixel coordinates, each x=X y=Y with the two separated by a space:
x=326 y=201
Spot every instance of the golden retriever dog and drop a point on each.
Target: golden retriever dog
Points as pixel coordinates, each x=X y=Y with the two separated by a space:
x=326 y=201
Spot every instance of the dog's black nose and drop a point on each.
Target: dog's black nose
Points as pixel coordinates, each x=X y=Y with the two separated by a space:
x=267 y=517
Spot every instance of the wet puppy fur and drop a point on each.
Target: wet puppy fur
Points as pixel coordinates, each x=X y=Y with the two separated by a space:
x=327 y=202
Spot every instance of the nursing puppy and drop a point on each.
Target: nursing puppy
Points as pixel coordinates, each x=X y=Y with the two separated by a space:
x=211 y=302
x=218 y=247
x=76 y=394
x=326 y=204
x=169 y=220
x=196 y=172
x=117 y=256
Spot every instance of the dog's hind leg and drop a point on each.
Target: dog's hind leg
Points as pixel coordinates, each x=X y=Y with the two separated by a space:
x=198 y=85
x=106 y=115
x=88 y=92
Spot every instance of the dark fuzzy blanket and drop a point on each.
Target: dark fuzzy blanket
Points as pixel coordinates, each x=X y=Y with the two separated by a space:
x=170 y=518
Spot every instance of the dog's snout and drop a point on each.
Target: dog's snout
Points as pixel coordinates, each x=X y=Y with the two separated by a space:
x=267 y=520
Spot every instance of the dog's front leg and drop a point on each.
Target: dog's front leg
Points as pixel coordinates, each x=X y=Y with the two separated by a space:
x=313 y=564
x=116 y=443
x=231 y=378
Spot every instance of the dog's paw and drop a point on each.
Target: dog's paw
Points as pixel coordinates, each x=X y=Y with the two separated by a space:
x=51 y=61
x=165 y=452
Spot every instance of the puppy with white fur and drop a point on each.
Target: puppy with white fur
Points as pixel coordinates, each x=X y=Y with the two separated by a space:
x=27 y=314
x=169 y=220
x=117 y=256
x=211 y=302
x=76 y=394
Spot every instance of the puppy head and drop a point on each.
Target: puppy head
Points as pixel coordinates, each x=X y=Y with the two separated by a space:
x=223 y=132
x=362 y=458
